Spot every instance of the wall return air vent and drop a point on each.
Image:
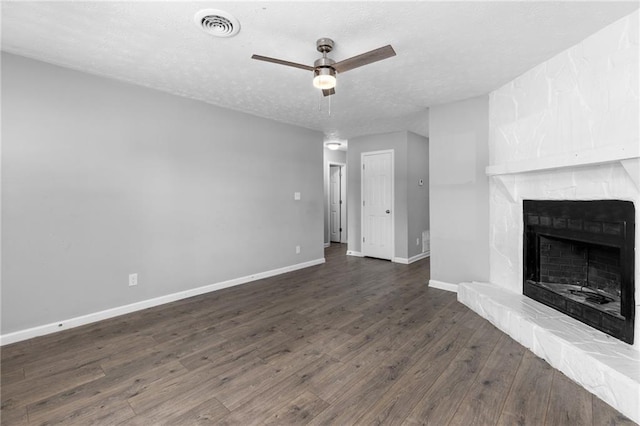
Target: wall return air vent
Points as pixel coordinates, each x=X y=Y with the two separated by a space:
x=217 y=22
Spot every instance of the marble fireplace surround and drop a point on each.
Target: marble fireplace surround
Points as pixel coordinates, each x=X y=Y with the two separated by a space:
x=607 y=367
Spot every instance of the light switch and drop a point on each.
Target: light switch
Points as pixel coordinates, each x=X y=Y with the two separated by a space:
x=296 y=196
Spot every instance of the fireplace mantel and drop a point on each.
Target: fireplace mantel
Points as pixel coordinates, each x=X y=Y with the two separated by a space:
x=628 y=155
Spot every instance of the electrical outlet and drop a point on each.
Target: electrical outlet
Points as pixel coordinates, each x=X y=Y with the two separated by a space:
x=133 y=280
x=417 y=241
x=297 y=249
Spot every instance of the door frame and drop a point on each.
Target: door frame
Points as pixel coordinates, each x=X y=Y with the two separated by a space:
x=343 y=195
x=393 y=199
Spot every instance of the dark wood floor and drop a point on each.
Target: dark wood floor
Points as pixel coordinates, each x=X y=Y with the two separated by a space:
x=353 y=341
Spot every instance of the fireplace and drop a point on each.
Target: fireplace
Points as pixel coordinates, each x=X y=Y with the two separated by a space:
x=579 y=260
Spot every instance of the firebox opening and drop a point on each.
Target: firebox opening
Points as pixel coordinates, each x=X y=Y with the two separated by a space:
x=579 y=259
x=586 y=273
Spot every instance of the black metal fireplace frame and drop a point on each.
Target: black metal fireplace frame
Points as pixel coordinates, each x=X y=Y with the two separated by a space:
x=576 y=220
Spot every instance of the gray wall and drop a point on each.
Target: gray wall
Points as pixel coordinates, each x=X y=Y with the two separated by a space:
x=459 y=191
x=330 y=156
x=411 y=203
x=101 y=179
x=417 y=196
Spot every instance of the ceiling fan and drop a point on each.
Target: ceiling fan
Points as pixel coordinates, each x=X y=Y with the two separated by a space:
x=325 y=69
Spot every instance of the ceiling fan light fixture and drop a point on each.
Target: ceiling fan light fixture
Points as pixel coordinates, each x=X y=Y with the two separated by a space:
x=324 y=78
x=325 y=69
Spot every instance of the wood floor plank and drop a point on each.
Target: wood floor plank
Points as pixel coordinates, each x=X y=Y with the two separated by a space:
x=350 y=341
x=442 y=341
x=101 y=413
x=440 y=402
x=188 y=408
x=360 y=342
x=8 y=377
x=434 y=321
x=34 y=389
x=209 y=412
x=329 y=377
x=90 y=354
x=15 y=351
x=236 y=393
x=328 y=340
x=483 y=403
x=567 y=404
x=260 y=338
x=313 y=374
x=298 y=411
x=216 y=354
x=112 y=388
x=43 y=348
x=14 y=416
x=353 y=401
x=210 y=377
x=528 y=398
x=256 y=409
x=156 y=355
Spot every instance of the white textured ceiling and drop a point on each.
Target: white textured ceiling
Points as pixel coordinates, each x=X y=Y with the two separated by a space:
x=446 y=51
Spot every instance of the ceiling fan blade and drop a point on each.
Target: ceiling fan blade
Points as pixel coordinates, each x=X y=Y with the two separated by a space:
x=365 y=58
x=329 y=92
x=281 y=62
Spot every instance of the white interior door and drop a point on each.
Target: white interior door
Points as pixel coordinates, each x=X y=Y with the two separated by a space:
x=335 y=207
x=377 y=204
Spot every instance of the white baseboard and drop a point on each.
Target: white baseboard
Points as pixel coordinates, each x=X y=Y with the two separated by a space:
x=412 y=259
x=66 y=324
x=354 y=253
x=443 y=286
x=327 y=245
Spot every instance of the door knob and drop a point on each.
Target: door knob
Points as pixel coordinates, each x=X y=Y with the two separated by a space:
x=388 y=211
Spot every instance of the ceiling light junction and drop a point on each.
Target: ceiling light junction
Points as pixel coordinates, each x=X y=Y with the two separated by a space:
x=324 y=75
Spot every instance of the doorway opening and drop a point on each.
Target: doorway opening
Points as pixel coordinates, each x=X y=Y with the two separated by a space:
x=337 y=206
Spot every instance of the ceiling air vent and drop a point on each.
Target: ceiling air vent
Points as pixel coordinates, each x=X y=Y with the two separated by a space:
x=217 y=23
